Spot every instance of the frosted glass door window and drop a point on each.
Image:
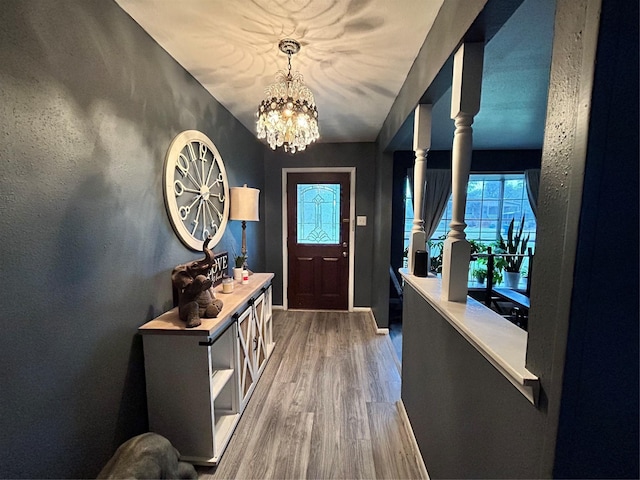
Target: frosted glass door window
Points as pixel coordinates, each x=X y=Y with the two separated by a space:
x=319 y=213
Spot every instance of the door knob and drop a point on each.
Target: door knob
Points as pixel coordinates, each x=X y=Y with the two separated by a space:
x=344 y=254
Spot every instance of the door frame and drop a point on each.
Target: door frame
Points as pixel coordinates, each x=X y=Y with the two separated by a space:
x=352 y=230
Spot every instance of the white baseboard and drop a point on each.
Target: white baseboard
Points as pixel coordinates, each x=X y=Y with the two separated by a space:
x=379 y=331
x=277 y=307
x=412 y=438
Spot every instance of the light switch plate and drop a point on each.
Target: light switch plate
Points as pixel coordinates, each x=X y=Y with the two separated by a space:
x=361 y=220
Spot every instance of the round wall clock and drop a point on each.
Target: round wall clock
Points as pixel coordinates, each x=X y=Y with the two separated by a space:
x=196 y=190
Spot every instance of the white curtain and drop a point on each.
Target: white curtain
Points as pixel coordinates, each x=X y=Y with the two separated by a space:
x=532 y=179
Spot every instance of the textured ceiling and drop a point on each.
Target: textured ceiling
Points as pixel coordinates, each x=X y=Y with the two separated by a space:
x=355 y=54
x=355 y=57
x=515 y=82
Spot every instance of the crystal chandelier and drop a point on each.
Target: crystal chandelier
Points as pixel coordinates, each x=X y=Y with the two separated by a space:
x=288 y=115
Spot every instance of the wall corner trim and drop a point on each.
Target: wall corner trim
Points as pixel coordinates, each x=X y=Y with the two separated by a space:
x=404 y=418
x=378 y=330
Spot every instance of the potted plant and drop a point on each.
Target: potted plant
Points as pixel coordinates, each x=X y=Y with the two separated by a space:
x=476 y=247
x=514 y=246
x=480 y=274
x=435 y=254
x=237 y=270
x=480 y=269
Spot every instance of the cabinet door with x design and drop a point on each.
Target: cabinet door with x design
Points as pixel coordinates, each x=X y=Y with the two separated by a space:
x=246 y=341
x=255 y=340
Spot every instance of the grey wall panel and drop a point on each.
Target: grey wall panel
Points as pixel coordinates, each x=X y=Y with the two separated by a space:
x=469 y=420
x=89 y=105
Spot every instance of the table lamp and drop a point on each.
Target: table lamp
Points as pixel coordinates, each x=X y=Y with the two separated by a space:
x=244 y=207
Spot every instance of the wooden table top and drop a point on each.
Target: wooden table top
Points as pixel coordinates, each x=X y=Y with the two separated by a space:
x=169 y=322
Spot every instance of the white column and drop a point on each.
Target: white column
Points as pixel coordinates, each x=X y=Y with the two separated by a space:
x=421 y=145
x=465 y=104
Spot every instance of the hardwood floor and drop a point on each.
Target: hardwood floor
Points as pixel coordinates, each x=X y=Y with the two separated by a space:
x=325 y=406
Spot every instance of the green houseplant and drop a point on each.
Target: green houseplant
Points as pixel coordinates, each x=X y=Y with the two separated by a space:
x=514 y=246
x=435 y=253
x=480 y=269
x=237 y=271
x=240 y=259
x=480 y=274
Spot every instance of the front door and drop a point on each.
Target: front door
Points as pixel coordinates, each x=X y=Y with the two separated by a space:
x=317 y=241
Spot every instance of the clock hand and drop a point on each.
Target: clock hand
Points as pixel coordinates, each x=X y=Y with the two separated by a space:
x=209 y=174
x=203 y=160
x=219 y=180
x=216 y=209
x=192 y=154
x=184 y=211
x=195 y=220
x=205 y=233
x=183 y=168
x=179 y=188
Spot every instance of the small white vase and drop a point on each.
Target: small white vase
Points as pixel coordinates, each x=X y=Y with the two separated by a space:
x=512 y=279
x=237 y=274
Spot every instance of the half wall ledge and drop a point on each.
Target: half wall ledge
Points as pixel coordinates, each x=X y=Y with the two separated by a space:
x=501 y=342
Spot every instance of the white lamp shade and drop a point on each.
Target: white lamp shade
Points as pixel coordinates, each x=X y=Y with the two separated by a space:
x=245 y=204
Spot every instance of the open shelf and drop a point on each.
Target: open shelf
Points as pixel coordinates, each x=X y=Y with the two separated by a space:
x=219 y=380
x=225 y=423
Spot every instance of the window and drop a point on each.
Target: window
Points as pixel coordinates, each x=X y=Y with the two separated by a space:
x=319 y=214
x=492 y=201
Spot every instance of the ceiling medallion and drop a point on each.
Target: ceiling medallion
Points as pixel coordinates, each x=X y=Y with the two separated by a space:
x=288 y=116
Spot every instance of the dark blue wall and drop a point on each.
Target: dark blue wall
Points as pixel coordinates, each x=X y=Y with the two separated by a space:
x=598 y=430
x=481 y=160
x=358 y=155
x=89 y=105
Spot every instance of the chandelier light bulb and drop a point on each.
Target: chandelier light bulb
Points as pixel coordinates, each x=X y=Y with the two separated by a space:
x=288 y=116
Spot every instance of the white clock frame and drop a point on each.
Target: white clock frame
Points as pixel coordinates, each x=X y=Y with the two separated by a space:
x=181 y=157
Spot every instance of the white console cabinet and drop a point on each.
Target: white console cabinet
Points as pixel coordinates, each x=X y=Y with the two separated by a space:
x=255 y=340
x=200 y=379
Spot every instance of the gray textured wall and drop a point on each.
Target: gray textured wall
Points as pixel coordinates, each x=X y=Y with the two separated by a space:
x=88 y=107
x=358 y=155
x=598 y=431
x=469 y=420
x=382 y=238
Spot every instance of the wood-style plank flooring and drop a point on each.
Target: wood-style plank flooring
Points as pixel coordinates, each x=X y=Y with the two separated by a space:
x=325 y=406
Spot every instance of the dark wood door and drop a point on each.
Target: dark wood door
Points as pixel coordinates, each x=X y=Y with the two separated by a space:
x=318 y=240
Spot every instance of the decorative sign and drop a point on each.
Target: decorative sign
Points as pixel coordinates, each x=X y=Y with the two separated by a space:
x=220 y=267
